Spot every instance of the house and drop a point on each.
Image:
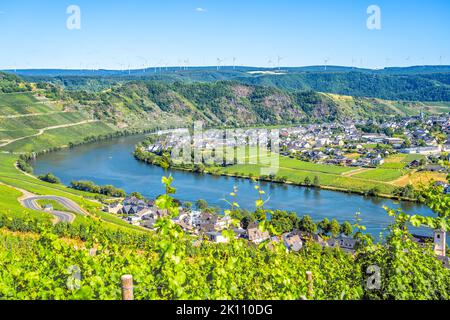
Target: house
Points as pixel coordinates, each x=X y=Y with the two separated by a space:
x=438 y=240
x=414 y=164
x=48 y=207
x=148 y=223
x=422 y=150
x=292 y=242
x=377 y=161
x=217 y=237
x=134 y=205
x=255 y=234
x=313 y=237
x=343 y=242
x=133 y=220
x=395 y=142
x=114 y=208
x=435 y=168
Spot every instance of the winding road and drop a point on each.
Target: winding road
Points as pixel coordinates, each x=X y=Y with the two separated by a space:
x=29 y=201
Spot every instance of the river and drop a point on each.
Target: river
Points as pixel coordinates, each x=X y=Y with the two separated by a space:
x=111 y=162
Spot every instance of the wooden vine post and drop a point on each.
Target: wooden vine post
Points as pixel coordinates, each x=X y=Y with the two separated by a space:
x=309 y=281
x=127 y=287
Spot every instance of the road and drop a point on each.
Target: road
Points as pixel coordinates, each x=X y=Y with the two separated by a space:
x=29 y=201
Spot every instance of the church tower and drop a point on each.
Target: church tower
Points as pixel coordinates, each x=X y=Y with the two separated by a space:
x=439 y=242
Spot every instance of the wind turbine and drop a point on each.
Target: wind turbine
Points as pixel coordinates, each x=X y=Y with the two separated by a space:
x=234 y=63
x=186 y=62
x=145 y=64
x=326 y=62
x=219 y=62
x=278 y=61
x=353 y=63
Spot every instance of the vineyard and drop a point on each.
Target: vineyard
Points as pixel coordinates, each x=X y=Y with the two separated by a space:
x=39 y=260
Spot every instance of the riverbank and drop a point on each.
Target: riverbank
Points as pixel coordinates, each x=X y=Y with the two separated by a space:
x=304 y=178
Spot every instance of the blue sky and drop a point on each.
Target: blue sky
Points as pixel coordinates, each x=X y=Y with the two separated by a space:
x=33 y=34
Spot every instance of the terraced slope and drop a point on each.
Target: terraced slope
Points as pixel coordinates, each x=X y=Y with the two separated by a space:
x=29 y=122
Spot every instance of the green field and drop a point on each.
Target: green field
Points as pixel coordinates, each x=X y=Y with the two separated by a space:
x=42 y=121
x=296 y=171
x=30 y=125
x=23 y=103
x=59 y=137
x=381 y=174
x=411 y=157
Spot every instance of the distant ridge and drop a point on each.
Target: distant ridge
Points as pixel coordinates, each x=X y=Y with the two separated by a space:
x=427 y=69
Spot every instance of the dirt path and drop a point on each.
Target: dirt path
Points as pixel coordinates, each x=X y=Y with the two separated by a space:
x=353 y=172
x=41 y=131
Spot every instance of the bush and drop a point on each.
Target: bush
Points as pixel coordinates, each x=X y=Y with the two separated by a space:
x=49 y=177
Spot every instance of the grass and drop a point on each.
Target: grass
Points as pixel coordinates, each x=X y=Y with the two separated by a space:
x=9 y=205
x=55 y=205
x=23 y=103
x=14 y=134
x=411 y=157
x=381 y=174
x=296 y=171
x=59 y=137
x=15 y=178
x=42 y=121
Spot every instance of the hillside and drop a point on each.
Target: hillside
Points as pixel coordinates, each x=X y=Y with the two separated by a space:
x=236 y=104
x=47 y=116
x=418 y=83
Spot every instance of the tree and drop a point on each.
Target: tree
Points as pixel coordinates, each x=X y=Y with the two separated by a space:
x=307 y=224
x=137 y=195
x=201 y=204
x=346 y=229
x=324 y=226
x=245 y=221
x=49 y=177
x=187 y=205
x=307 y=181
x=316 y=182
x=334 y=228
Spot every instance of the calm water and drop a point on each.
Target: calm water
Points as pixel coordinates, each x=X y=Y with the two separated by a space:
x=111 y=162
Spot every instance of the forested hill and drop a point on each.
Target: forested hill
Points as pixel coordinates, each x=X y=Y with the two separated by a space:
x=421 y=83
x=424 y=87
x=231 y=103
x=142 y=104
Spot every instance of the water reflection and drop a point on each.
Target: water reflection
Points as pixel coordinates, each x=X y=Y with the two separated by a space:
x=111 y=162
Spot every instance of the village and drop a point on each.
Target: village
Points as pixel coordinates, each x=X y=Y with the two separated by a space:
x=207 y=226
x=351 y=143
